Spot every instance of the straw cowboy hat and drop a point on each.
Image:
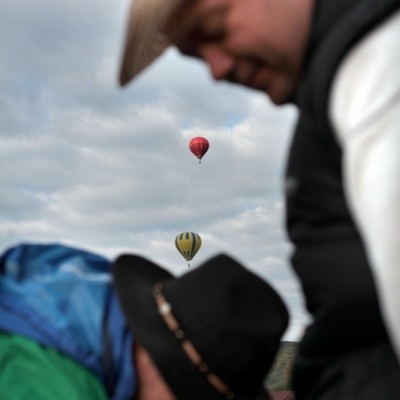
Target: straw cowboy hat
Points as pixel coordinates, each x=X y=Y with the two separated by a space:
x=144 y=40
x=213 y=332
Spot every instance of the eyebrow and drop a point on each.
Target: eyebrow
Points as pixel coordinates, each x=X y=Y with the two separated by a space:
x=209 y=17
x=198 y=28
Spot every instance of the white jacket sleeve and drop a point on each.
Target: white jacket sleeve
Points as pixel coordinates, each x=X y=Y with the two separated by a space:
x=365 y=112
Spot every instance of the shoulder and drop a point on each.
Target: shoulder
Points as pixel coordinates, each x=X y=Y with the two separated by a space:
x=368 y=79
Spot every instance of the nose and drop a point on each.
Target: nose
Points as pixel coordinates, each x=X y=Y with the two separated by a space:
x=219 y=61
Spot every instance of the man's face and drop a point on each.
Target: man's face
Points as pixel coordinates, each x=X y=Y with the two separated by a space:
x=150 y=384
x=256 y=43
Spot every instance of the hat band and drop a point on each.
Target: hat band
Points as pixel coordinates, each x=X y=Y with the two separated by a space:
x=165 y=309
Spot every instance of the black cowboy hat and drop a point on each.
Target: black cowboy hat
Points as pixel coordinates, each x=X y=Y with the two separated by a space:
x=213 y=332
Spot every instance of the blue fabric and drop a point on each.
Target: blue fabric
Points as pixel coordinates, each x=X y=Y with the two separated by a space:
x=62 y=297
x=120 y=374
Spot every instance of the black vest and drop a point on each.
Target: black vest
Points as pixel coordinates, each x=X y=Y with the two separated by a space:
x=329 y=256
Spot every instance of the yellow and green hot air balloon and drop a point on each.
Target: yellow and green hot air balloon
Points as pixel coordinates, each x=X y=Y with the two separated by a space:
x=188 y=244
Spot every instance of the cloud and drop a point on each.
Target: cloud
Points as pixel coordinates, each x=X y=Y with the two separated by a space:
x=86 y=163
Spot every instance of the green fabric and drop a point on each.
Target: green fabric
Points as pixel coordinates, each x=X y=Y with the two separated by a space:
x=29 y=371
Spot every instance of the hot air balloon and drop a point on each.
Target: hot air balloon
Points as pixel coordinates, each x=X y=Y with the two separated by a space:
x=188 y=244
x=199 y=146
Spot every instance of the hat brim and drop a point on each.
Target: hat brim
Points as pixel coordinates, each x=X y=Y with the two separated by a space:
x=144 y=41
x=134 y=279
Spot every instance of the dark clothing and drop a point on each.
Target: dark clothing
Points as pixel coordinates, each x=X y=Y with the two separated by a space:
x=370 y=373
x=329 y=255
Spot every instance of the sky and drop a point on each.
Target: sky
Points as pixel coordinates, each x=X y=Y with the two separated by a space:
x=88 y=164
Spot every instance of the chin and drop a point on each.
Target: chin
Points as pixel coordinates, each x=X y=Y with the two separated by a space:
x=280 y=98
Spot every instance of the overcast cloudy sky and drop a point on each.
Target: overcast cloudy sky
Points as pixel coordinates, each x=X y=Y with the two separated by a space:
x=86 y=163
